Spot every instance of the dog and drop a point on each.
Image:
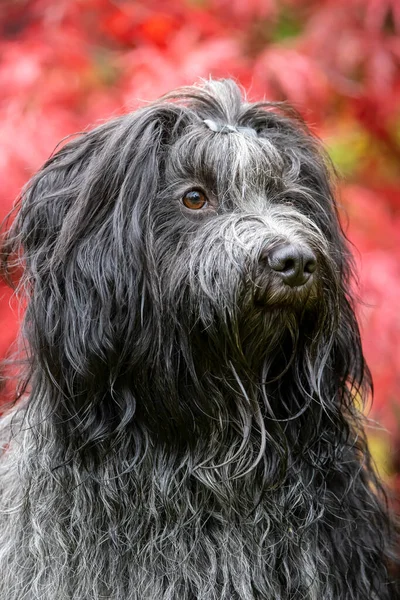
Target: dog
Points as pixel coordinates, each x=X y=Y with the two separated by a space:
x=188 y=424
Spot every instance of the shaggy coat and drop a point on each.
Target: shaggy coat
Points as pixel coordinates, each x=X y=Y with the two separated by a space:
x=190 y=425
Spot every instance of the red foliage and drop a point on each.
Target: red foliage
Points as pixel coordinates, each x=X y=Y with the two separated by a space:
x=67 y=64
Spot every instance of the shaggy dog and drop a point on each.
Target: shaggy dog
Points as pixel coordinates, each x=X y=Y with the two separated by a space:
x=189 y=427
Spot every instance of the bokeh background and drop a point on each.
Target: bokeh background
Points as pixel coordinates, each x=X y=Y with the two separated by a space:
x=68 y=64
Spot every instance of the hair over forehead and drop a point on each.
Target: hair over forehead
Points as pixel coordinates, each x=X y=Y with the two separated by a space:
x=213 y=134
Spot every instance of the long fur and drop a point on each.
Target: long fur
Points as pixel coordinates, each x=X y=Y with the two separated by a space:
x=188 y=429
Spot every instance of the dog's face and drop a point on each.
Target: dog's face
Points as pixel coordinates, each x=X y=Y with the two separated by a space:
x=243 y=225
x=193 y=244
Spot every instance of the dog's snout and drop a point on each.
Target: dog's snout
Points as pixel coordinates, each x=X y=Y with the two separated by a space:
x=293 y=263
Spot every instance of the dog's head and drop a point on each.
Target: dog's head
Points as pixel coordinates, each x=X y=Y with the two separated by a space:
x=183 y=254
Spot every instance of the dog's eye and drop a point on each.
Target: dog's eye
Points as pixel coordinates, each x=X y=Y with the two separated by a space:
x=195 y=199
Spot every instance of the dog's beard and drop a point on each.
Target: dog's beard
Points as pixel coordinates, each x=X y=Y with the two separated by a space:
x=230 y=333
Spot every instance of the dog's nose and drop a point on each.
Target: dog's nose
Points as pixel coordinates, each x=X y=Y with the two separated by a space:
x=294 y=264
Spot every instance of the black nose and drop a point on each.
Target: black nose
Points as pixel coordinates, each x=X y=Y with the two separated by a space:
x=295 y=264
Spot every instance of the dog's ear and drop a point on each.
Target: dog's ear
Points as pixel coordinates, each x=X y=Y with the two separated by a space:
x=79 y=232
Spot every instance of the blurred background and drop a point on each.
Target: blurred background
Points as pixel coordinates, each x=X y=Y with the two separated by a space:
x=68 y=64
